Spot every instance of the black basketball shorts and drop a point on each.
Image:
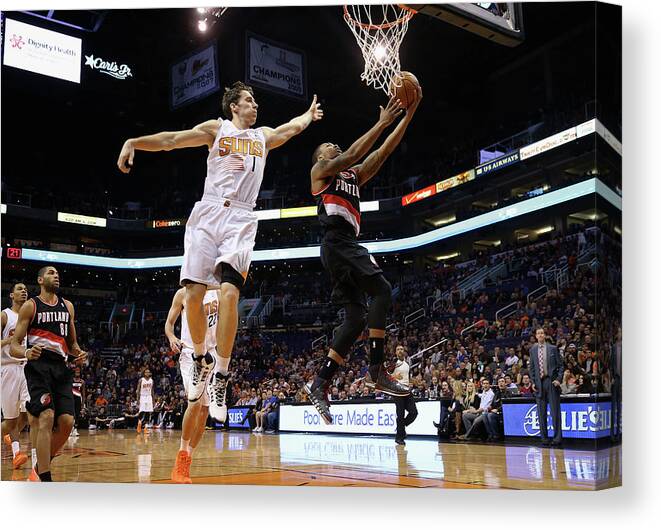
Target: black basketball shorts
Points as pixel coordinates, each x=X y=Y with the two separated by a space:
x=348 y=264
x=49 y=382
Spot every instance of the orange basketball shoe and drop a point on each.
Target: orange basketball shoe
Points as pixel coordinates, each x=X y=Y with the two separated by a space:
x=33 y=476
x=181 y=470
x=19 y=460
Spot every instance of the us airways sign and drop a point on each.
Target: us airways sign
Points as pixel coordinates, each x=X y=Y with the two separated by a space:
x=111 y=68
x=496 y=164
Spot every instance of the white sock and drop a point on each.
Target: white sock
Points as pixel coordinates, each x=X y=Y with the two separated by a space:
x=184 y=445
x=15 y=448
x=200 y=348
x=223 y=365
x=34 y=458
x=190 y=450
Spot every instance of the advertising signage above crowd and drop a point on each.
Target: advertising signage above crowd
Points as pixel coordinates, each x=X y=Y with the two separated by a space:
x=514 y=157
x=496 y=164
x=42 y=51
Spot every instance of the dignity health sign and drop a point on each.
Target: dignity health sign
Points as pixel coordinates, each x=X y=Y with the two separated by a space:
x=579 y=420
x=42 y=51
x=359 y=418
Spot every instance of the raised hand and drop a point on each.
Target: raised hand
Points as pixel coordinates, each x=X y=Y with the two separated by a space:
x=414 y=106
x=315 y=110
x=392 y=110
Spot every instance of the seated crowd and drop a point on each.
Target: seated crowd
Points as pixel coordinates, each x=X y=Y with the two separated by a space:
x=470 y=360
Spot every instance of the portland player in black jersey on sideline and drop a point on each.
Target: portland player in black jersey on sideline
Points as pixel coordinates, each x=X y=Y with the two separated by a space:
x=48 y=322
x=336 y=181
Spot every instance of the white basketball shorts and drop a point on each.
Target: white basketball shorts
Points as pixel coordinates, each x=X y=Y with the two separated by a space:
x=218 y=232
x=146 y=405
x=14 y=390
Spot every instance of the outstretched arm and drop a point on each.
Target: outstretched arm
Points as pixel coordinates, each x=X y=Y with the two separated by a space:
x=285 y=132
x=173 y=315
x=202 y=134
x=327 y=168
x=375 y=160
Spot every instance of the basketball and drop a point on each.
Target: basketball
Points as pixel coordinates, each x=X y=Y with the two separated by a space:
x=407 y=92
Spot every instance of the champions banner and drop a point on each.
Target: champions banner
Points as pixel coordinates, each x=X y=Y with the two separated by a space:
x=194 y=77
x=275 y=67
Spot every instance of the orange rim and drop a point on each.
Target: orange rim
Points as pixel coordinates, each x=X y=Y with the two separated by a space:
x=407 y=16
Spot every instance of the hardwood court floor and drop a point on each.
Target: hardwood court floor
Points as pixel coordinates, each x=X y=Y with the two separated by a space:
x=327 y=460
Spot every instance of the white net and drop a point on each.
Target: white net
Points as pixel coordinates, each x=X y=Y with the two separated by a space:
x=379 y=31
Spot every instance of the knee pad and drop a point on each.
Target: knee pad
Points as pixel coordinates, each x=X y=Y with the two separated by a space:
x=347 y=333
x=230 y=275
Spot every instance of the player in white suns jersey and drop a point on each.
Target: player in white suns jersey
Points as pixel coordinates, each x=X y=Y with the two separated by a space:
x=14 y=386
x=195 y=417
x=221 y=229
x=145 y=394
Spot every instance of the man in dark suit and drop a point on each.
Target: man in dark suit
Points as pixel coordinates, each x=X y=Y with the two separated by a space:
x=546 y=369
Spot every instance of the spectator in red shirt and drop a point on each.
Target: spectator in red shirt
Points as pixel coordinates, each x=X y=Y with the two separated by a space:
x=526 y=386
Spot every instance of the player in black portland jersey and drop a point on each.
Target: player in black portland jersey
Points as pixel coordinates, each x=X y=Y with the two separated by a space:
x=336 y=181
x=48 y=322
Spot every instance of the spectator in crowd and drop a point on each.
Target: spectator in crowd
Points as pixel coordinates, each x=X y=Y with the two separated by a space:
x=568 y=385
x=262 y=413
x=272 y=416
x=472 y=420
x=457 y=408
x=525 y=388
x=493 y=419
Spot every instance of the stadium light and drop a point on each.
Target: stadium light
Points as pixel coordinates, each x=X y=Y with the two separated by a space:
x=444 y=220
x=202 y=25
x=544 y=230
x=380 y=52
x=201 y=10
x=447 y=256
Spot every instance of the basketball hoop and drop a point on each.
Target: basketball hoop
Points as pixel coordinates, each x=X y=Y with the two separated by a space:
x=379 y=31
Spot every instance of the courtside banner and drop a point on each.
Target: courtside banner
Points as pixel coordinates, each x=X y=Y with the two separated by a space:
x=496 y=164
x=275 y=66
x=359 y=418
x=194 y=77
x=579 y=420
x=42 y=51
x=237 y=418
